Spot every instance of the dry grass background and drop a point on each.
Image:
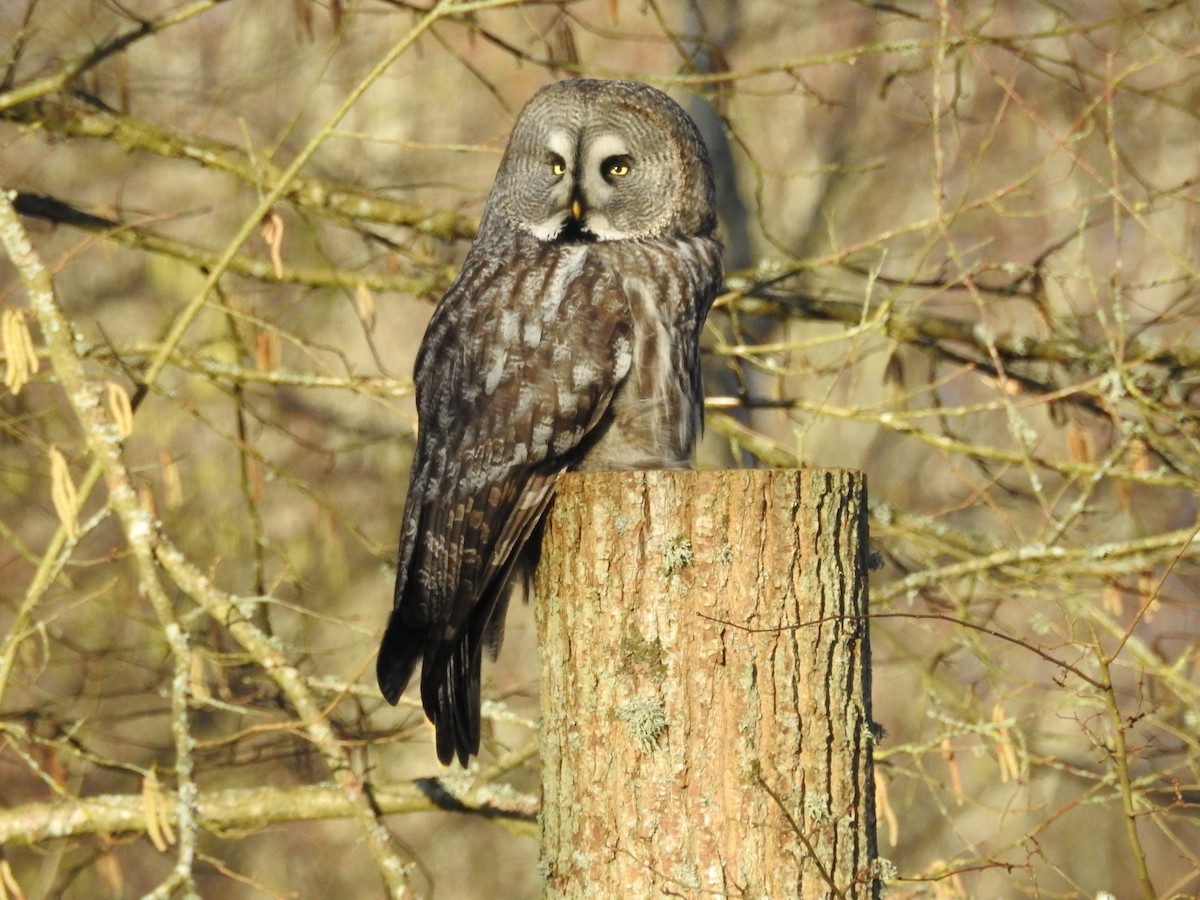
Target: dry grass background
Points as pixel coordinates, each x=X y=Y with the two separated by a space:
x=962 y=257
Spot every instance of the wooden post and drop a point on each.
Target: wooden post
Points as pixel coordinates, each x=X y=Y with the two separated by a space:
x=706 y=717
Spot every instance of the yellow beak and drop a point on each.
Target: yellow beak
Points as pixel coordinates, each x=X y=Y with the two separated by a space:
x=576 y=209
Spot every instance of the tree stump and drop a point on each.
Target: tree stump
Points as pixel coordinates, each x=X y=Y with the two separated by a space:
x=706 y=717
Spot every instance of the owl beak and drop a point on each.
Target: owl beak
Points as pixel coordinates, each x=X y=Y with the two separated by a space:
x=576 y=209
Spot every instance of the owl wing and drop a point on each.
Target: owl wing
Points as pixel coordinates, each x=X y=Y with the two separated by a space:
x=514 y=381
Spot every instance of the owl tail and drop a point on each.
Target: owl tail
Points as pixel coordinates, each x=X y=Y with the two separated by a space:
x=450 y=695
x=451 y=660
x=399 y=654
x=449 y=683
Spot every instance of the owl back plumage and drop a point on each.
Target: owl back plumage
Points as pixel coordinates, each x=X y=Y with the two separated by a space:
x=569 y=340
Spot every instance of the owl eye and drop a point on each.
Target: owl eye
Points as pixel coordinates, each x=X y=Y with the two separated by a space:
x=616 y=166
x=558 y=165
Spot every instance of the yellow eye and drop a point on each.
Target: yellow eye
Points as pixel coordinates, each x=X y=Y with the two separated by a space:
x=558 y=167
x=615 y=166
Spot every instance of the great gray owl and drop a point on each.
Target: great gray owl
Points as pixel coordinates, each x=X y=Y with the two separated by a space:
x=569 y=340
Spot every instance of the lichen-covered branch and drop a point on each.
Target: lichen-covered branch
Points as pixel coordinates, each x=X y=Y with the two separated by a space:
x=240 y=811
x=103 y=436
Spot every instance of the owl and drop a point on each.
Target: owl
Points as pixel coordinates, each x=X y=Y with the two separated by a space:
x=569 y=341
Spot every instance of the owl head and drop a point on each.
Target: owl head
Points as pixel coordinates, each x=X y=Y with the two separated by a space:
x=604 y=160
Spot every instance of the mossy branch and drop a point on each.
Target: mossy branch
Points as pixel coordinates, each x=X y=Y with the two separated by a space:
x=241 y=811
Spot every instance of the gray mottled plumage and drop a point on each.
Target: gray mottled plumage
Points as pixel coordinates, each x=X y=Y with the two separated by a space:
x=569 y=340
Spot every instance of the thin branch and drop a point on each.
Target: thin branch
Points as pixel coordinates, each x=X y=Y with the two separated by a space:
x=241 y=810
x=57 y=81
x=135 y=238
x=1120 y=759
x=77 y=116
x=104 y=438
x=913 y=327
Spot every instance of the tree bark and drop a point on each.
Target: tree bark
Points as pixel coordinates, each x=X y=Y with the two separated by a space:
x=706 y=718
